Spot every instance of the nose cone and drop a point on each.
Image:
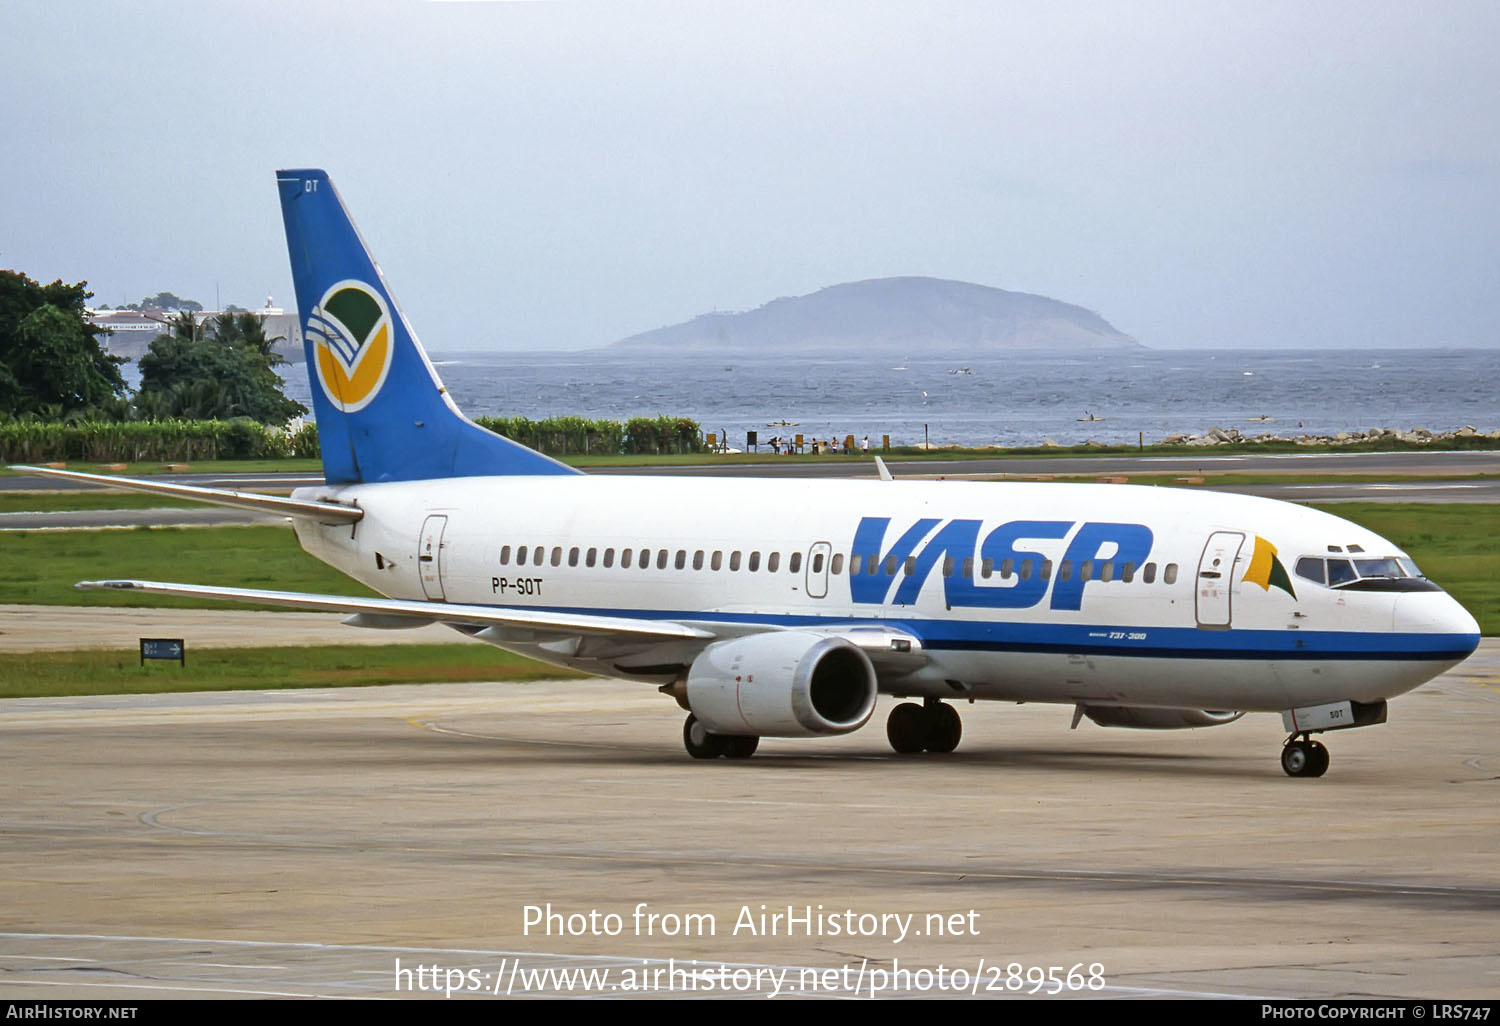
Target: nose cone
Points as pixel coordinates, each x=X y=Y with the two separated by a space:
x=1436 y=624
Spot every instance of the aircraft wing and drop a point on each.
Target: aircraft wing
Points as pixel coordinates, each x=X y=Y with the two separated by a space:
x=408 y=613
x=323 y=512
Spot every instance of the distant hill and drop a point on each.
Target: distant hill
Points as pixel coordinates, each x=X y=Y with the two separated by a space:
x=897 y=314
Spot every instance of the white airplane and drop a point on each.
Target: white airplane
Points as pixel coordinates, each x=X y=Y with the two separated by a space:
x=777 y=608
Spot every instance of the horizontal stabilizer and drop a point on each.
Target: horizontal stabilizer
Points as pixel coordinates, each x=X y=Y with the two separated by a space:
x=323 y=512
x=423 y=612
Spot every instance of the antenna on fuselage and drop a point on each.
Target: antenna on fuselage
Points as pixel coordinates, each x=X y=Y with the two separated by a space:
x=882 y=470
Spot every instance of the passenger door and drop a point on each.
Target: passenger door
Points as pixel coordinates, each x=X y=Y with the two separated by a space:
x=1215 y=580
x=430 y=557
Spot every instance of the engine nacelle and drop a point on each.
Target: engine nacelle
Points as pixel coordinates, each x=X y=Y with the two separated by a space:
x=782 y=684
x=1144 y=718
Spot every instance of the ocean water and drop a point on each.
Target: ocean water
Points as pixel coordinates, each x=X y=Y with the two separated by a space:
x=1021 y=398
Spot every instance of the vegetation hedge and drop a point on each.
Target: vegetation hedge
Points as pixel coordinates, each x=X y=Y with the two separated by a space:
x=180 y=441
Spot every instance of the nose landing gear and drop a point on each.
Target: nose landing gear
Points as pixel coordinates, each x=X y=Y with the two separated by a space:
x=1304 y=757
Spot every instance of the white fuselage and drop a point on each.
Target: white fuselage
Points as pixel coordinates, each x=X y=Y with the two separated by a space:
x=1078 y=593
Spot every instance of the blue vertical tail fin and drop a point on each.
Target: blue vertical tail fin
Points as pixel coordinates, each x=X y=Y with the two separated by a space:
x=382 y=412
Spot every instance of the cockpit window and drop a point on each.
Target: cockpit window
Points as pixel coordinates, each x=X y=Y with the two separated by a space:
x=1379 y=568
x=1340 y=571
x=1311 y=568
x=1392 y=573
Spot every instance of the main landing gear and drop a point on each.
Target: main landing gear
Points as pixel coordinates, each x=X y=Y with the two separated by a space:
x=1304 y=757
x=701 y=744
x=933 y=726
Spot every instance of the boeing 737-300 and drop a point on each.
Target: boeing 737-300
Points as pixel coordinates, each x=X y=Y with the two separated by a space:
x=774 y=608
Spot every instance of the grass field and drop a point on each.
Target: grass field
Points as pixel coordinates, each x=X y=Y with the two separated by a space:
x=41 y=567
x=40 y=674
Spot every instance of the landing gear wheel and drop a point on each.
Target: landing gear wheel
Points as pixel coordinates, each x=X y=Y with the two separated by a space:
x=701 y=744
x=1319 y=755
x=740 y=747
x=906 y=728
x=1304 y=759
x=1294 y=759
x=944 y=727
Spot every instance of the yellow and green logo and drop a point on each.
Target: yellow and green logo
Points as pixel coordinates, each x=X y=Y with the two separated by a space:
x=1266 y=570
x=351 y=332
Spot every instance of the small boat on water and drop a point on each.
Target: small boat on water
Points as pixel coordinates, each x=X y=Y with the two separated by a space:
x=1088 y=418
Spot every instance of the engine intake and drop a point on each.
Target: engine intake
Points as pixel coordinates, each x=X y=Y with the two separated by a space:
x=785 y=684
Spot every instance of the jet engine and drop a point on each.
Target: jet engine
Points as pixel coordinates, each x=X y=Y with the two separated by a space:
x=782 y=684
x=1146 y=718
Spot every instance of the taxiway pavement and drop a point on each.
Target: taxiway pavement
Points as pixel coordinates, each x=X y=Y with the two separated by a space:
x=301 y=843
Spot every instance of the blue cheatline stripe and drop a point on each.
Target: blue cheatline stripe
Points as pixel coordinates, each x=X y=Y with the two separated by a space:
x=1095 y=639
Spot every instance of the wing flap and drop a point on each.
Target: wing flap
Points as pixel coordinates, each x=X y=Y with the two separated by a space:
x=386 y=611
x=323 y=512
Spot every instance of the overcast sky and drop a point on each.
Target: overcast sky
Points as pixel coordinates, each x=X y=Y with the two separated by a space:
x=563 y=174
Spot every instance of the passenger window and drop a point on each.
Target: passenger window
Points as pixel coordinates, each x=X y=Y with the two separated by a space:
x=573 y=556
x=874 y=566
x=520 y=555
x=1107 y=571
x=662 y=555
x=1169 y=575
x=987 y=567
x=504 y=554
x=557 y=555
x=891 y=564
x=1339 y=572
x=968 y=568
x=539 y=555
x=625 y=561
x=717 y=563
x=1008 y=567
x=589 y=559
x=698 y=560
x=1086 y=571
x=909 y=568
x=1046 y=569
x=734 y=560
x=754 y=562
x=645 y=559
x=609 y=557
x=681 y=559
x=817 y=563
x=838 y=564
x=794 y=565
x=1127 y=573
x=1064 y=570
x=772 y=562
x=947 y=566
x=1025 y=569
x=1150 y=574
x=1311 y=568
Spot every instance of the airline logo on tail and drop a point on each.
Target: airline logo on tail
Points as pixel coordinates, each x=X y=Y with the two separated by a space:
x=351 y=330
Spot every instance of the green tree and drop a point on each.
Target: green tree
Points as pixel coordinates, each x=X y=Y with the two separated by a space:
x=221 y=369
x=50 y=354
